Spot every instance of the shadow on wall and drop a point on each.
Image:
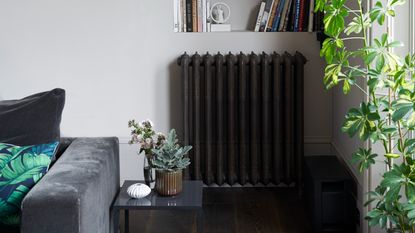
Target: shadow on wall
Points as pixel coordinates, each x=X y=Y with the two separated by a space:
x=176 y=99
x=252 y=17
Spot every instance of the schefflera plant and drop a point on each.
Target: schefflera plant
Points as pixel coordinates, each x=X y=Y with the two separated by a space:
x=387 y=119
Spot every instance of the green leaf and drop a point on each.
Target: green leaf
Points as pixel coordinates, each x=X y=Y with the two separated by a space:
x=24 y=168
x=334 y=18
x=361 y=120
x=396 y=2
x=392 y=156
x=410 y=192
x=346 y=87
x=358 y=24
x=410 y=207
x=17 y=196
x=403 y=107
x=170 y=157
x=328 y=50
x=6 y=208
x=319 y=5
x=365 y=158
x=11 y=219
x=377 y=13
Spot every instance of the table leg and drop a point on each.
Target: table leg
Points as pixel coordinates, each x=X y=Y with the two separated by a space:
x=200 y=221
x=116 y=220
x=127 y=221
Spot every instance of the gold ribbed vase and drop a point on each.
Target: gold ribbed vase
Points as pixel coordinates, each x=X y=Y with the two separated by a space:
x=169 y=183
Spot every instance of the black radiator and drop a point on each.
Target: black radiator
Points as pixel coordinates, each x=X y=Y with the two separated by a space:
x=243 y=115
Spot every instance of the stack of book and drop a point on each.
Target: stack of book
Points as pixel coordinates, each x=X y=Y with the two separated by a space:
x=191 y=16
x=288 y=15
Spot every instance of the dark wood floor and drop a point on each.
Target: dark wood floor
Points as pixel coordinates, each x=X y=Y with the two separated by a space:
x=242 y=210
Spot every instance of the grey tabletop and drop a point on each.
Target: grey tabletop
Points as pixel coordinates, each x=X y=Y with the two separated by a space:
x=189 y=198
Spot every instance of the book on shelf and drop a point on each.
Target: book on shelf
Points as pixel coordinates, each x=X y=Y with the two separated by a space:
x=199 y=16
x=204 y=16
x=311 y=16
x=297 y=15
x=301 y=16
x=272 y=15
x=265 y=15
x=259 y=18
x=284 y=15
x=194 y=15
x=278 y=15
x=208 y=19
x=176 y=16
x=189 y=21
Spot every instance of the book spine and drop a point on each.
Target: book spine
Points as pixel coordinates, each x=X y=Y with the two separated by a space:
x=183 y=16
x=306 y=15
x=302 y=12
x=271 y=15
x=194 y=15
x=265 y=16
x=296 y=15
x=176 y=15
x=259 y=18
x=180 y=15
x=208 y=20
x=204 y=16
x=199 y=16
x=189 y=20
x=288 y=16
x=278 y=16
x=283 y=15
x=311 y=16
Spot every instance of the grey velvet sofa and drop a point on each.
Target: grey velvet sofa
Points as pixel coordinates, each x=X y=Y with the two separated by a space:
x=75 y=196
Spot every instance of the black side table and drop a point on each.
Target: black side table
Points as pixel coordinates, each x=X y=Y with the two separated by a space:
x=189 y=199
x=329 y=193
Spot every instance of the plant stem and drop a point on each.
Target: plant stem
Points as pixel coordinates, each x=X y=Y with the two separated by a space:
x=355 y=12
x=389 y=97
x=353 y=38
x=365 y=42
x=362 y=89
x=400 y=132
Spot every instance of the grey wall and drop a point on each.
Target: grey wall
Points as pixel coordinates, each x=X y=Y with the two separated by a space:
x=116 y=60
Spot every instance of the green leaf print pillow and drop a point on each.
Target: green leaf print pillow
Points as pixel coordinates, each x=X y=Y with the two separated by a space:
x=21 y=167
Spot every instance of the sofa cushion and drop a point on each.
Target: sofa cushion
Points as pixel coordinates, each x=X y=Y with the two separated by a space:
x=20 y=168
x=32 y=120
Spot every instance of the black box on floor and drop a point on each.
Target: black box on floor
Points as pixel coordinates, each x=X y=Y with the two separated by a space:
x=330 y=193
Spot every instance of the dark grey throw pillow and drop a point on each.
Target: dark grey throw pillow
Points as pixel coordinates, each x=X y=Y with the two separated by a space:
x=32 y=120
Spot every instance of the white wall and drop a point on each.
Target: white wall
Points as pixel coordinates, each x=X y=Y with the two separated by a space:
x=116 y=60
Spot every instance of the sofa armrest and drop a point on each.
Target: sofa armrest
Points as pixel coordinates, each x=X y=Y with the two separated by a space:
x=76 y=194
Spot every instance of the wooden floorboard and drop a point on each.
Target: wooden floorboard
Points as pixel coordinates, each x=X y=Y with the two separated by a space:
x=226 y=210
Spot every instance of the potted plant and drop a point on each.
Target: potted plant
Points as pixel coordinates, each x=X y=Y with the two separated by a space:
x=386 y=119
x=169 y=161
x=147 y=139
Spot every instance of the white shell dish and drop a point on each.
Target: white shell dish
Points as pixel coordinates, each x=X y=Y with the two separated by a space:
x=138 y=190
